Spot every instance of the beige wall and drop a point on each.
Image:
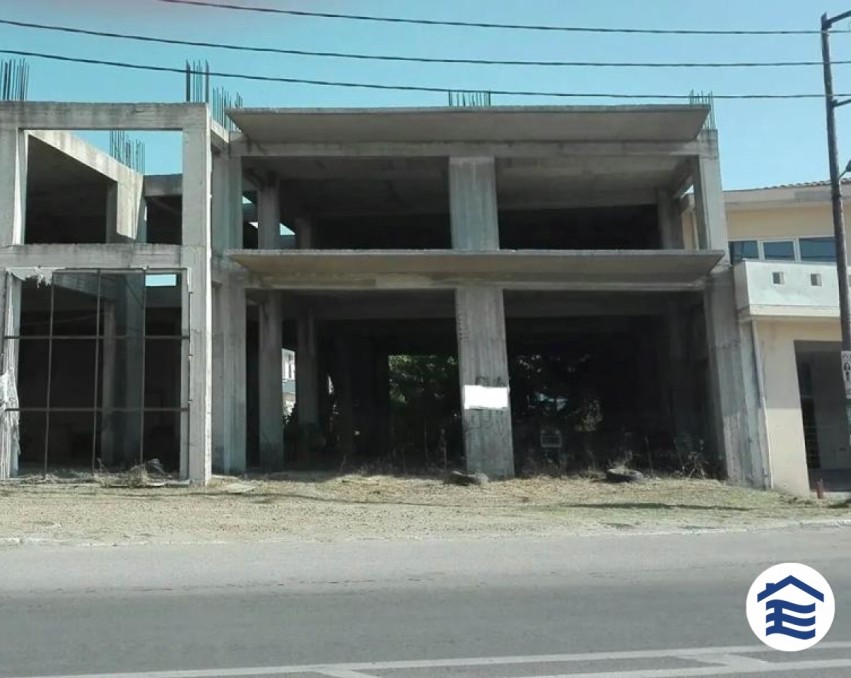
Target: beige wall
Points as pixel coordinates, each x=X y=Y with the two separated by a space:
x=779 y=222
x=782 y=402
x=763 y=223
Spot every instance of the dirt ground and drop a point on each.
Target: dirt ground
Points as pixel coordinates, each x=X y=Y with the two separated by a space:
x=380 y=507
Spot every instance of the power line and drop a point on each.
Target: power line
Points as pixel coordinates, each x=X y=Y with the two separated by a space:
x=478 y=24
x=407 y=88
x=408 y=59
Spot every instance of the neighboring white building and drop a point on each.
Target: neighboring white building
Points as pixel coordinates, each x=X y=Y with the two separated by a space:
x=782 y=248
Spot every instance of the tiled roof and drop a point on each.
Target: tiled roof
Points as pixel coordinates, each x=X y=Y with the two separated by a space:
x=803 y=184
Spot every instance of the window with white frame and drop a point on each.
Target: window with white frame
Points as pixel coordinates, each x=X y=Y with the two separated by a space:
x=814 y=249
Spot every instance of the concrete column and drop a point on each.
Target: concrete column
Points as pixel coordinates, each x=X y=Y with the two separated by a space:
x=125 y=209
x=219 y=384
x=229 y=342
x=271 y=370
x=480 y=320
x=324 y=369
x=727 y=401
x=306 y=379
x=344 y=394
x=13 y=184
x=196 y=460
x=482 y=362
x=670 y=222
x=381 y=385
x=108 y=384
x=13 y=198
x=10 y=314
x=270 y=383
x=122 y=376
x=304 y=233
x=734 y=442
x=269 y=217
x=473 y=204
x=679 y=379
x=756 y=465
x=227 y=202
x=363 y=401
x=710 y=212
x=234 y=411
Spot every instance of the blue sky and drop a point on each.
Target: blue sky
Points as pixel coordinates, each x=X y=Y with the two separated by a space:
x=762 y=143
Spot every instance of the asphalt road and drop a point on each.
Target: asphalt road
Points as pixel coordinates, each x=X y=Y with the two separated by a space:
x=608 y=607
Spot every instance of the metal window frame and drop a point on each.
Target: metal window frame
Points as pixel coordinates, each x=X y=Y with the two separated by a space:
x=183 y=338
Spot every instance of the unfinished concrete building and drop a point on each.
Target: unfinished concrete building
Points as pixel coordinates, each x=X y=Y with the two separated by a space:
x=144 y=317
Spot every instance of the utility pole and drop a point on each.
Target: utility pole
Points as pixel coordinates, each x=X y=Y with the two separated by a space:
x=831 y=105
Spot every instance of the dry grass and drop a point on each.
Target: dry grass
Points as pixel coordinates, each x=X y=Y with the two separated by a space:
x=356 y=506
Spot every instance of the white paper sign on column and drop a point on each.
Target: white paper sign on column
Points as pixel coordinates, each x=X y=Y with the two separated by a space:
x=485 y=398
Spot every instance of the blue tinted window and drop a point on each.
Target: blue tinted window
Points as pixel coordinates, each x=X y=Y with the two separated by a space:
x=743 y=249
x=818 y=249
x=779 y=250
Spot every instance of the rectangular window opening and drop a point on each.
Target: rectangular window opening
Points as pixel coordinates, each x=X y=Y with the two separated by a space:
x=99 y=385
x=743 y=249
x=779 y=250
x=818 y=249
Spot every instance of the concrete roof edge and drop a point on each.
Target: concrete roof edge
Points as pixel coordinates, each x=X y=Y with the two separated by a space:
x=469 y=110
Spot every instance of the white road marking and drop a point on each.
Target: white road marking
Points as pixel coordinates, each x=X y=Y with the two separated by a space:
x=345 y=673
x=696 y=654
x=768 y=667
x=726 y=660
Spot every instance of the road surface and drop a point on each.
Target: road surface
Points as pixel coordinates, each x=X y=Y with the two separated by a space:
x=608 y=607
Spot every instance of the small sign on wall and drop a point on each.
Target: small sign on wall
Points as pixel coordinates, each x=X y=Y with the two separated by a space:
x=846 y=372
x=485 y=398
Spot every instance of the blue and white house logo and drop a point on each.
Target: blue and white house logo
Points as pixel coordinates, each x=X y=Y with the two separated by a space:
x=790 y=607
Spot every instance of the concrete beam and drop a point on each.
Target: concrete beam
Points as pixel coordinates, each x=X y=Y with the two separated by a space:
x=163 y=185
x=38 y=115
x=380 y=306
x=244 y=147
x=445 y=269
x=219 y=136
x=86 y=154
x=92 y=257
x=509 y=201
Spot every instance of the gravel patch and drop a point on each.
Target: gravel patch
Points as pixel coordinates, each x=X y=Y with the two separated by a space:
x=316 y=507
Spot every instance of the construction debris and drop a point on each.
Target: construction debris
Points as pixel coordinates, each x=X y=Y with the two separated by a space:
x=466 y=479
x=624 y=475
